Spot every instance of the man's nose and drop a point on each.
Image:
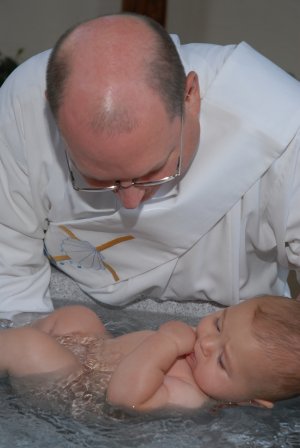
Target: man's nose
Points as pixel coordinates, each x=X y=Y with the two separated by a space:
x=130 y=197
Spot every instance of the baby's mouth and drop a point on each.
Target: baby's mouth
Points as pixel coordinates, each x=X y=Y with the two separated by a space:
x=191 y=359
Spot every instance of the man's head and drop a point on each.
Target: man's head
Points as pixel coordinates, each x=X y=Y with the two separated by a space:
x=250 y=351
x=118 y=90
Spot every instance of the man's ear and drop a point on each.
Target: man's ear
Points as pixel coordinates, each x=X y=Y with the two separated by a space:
x=192 y=93
x=262 y=403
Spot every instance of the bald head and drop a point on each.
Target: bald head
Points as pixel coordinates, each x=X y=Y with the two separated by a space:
x=111 y=66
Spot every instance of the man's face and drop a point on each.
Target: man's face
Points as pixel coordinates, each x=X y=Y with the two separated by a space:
x=169 y=154
x=228 y=363
x=148 y=150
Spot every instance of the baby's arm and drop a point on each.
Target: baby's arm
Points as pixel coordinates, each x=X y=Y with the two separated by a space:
x=70 y=319
x=138 y=380
x=29 y=351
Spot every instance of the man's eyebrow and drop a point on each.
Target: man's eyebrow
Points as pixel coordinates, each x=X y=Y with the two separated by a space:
x=162 y=163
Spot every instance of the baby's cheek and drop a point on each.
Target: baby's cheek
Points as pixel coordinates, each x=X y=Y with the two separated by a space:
x=206 y=380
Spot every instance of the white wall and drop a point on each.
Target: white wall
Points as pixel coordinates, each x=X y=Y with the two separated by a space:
x=271 y=26
x=36 y=24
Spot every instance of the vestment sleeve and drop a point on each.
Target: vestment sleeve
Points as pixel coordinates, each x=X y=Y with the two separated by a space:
x=24 y=270
x=292 y=232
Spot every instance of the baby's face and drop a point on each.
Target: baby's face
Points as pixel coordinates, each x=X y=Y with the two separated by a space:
x=228 y=362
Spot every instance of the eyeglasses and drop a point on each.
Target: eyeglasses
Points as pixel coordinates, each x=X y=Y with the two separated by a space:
x=117 y=185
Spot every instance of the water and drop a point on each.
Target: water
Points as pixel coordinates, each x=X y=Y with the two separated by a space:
x=22 y=425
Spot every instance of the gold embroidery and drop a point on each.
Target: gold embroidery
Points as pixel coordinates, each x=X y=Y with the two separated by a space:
x=115 y=241
x=101 y=247
x=69 y=232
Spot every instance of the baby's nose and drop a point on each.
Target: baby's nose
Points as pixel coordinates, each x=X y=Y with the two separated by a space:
x=208 y=344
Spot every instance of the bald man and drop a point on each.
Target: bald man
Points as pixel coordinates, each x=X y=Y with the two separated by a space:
x=145 y=168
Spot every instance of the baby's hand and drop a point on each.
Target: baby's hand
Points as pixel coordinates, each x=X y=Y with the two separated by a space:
x=181 y=334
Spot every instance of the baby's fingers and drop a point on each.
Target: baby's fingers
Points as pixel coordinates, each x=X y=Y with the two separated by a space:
x=182 y=334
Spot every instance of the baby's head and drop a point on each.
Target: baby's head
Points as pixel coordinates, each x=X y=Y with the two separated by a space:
x=250 y=351
x=276 y=327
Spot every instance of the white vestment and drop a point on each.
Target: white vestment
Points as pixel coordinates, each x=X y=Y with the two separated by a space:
x=228 y=230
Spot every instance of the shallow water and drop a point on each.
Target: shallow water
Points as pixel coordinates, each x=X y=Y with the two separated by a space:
x=25 y=426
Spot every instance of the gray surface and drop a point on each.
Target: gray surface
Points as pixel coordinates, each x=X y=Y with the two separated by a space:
x=62 y=287
x=23 y=425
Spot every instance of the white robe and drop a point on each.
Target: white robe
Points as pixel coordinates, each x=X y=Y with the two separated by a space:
x=230 y=229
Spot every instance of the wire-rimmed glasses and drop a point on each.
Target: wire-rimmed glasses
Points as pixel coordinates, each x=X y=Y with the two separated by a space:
x=117 y=185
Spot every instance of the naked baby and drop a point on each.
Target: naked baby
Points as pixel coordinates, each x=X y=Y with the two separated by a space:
x=245 y=353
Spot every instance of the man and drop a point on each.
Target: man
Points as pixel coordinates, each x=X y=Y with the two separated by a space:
x=112 y=178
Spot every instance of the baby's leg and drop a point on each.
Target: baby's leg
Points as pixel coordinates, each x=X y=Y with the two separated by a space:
x=71 y=319
x=29 y=351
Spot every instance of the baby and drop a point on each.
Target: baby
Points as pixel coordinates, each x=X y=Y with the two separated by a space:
x=246 y=353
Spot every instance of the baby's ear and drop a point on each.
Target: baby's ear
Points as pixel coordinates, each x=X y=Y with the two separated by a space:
x=263 y=403
x=298 y=297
